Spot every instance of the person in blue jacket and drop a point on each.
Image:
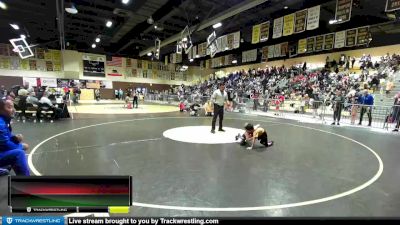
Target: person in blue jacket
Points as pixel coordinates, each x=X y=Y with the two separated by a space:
x=12 y=148
x=367 y=101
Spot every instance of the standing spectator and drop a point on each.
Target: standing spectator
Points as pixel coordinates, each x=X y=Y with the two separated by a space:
x=367 y=101
x=135 y=100
x=337 y=104
x=116 y=93
x=120 y=94
x=396 y=111
x=97 y=94
x=353 y=60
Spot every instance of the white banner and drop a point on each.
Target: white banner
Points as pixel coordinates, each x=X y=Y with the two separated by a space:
x=313 y=17
x=224 y=43
x=236 y=40
x=48 y=82
x=277 y=51
x=340 y=39
x=41 y=65
x=271 y=50
x=30 y=81
x=278 y=28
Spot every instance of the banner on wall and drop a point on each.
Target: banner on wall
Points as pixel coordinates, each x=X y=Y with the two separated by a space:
x=49 y=66
x=114 y=72
x=293 y=49
x=32 y=65
x=56 y=55
x=145 y=65
x=284 y=48
x=351 y=37
x=230 y=41
x=329 y=41
x=313 y=15
x=11 y=51
x=302 y=46
x=48 y=55
x=310 y=45
x=340 y=39
x=115 y=61
x=128 y=62
x=224 y=43
x=392 y=5
x=30 y=81
x=278 y=27
x=300 y=21
x=106 y=84
x=271 y=50
x=4 y=50
x=41 y=65
x=264 y=31
x=319 y=43
x=255 y=38
x=24 y=64
x=236 y=39
x=15 y=64
x=93 y=84
x=57 y=66
x=264 y=53
x=277 y=50
x=40 y=53
x=48 y=82
x=362 y=35
x=93 y=65
x=288 y=24
x=343 y=10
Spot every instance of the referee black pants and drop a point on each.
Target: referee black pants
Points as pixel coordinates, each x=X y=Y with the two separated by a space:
x=218 y=112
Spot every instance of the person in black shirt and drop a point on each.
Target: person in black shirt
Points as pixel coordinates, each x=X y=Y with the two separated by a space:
x=135 y=100
x=337 y=105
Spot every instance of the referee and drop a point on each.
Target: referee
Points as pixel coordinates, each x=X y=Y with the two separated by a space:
x=219 y=98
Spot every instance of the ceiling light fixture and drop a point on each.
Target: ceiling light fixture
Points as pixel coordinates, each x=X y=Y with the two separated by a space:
x=197 y=56
x=217 y=25
x=125 y=1
x=109 y=23
x=3 y=5
x=93 y=45
x=23 y=36
x=70 y=8
x=149 y=54
x=15 y=26
x=332 y=21
x=97 y=40
x=191 y=60
x=234 y=61
x=286 y=7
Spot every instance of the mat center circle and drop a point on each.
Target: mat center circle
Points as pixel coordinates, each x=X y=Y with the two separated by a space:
x=202 y=135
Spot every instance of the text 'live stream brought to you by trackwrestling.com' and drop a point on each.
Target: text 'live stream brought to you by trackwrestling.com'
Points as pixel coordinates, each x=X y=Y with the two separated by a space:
x=140 y=221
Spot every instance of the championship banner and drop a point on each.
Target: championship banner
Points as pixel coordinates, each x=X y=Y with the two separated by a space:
x=264 y=53
x=49 y=66
x=40 y=53
x=236 y=39
x=264 y=31
x=32 y=65
x=134 y=63
x=128 y=62
x=340 y=39
x=57 y=66
x=319 y=43
x=302 y=46
x=56 y=55
x=313 y=15
x=343 y=10
x=362 y=35
x=271 y=50
x=293 y=49
x=310 y=44
x=41 y=65
x=145 y=64
x=48 y=56
x=392 y=5
x=255 y=37
x=288 y=24
x=351 y=37
x=230 y=41
x=284 y=49
x=15 y=63
x=25 y=64
x=277 y=50
x=278 y=27
x=329 y=41
x=224 y=43
x=300 y=21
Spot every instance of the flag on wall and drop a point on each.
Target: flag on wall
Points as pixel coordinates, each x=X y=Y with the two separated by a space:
x=288 y=24
x=278 y=27
x=255 y=38
x=264 y=31
x=115 y=61
x=313 y=15
x=343 y=10
x=340 y=39
x=300 y=21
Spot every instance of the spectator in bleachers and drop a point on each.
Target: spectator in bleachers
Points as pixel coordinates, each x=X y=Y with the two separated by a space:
x=12 y=147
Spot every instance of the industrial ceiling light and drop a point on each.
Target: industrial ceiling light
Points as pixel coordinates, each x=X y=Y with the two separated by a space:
x=97 y=40
x=155 y=26
x=15 y=26
x=191 y=60
x=3 y=5
x=286 y=7
x=93 y=45
x=332 y=21
x=217 y=25
x=23 y=36
x=109 y=23
x=149 y=54
x=125 y=1
x=234 y=61
x=70 y=8
x=197 y=56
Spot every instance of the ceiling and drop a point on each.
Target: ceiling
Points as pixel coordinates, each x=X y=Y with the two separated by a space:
x=131 y=33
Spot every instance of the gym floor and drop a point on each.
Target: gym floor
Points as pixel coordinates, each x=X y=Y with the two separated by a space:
x=312 y=170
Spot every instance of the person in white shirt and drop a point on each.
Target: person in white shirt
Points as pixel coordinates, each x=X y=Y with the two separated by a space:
x=219 y=98
x=45 y=100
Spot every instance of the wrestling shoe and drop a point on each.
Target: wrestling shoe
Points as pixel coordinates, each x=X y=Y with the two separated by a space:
x=222 y=130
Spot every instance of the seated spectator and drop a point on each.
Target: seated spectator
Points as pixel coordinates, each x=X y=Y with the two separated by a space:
x=45 y=100
x=32 y=99
x=389 y=86
x=23 y=91
x=12 y=147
